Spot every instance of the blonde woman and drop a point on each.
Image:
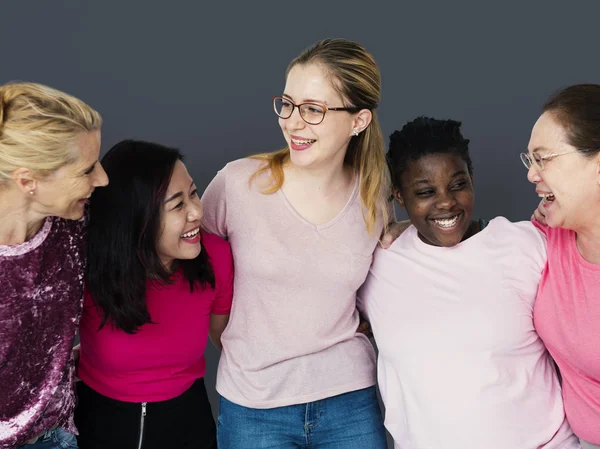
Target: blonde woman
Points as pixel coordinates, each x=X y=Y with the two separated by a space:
x=303 y=223
x=49 y=147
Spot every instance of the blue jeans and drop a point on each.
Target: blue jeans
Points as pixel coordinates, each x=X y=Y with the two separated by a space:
x=53 y=439
x=348 y=421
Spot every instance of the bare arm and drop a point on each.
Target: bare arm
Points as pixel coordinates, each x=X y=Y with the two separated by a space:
x=218 y=323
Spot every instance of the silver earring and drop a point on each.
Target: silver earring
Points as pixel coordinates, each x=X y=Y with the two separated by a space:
x=355 y=132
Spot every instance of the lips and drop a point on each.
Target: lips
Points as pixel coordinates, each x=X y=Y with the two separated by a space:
x=300 y=143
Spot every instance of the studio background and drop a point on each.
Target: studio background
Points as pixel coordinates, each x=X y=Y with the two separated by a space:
x=200 y=75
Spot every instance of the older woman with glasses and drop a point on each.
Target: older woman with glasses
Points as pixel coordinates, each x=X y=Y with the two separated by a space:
x=303 y=223
x=567 y=309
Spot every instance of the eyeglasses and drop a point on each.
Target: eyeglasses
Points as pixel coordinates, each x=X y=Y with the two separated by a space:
x=538 y=161
x=311 y=113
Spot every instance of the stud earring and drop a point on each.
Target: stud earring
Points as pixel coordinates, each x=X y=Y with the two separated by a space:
x=355 y=132
x=31 y=192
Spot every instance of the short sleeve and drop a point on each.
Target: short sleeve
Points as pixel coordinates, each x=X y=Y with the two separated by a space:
x=363 y=295
x=223 y=267
x=214 y=205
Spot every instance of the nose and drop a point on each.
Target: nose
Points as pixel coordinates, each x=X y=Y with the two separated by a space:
x=100 y=178
x=194 y=212
x=295 y=121
x=445 y=200
x=533 y=175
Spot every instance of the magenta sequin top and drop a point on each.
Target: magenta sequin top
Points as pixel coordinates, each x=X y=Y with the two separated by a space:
x=41 y=292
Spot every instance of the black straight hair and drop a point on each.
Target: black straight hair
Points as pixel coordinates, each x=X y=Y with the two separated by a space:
x=125 y=222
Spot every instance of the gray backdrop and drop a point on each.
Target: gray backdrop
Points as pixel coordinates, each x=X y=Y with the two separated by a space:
x=200 y=75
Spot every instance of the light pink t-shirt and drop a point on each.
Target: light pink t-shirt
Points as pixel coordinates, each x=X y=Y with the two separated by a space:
x=567 y=317
x=292 y=333
x=163 y=358
x=460 y=364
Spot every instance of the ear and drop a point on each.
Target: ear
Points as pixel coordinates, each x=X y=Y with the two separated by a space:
x=24 y=180
x=362 y=119
x=398 y=198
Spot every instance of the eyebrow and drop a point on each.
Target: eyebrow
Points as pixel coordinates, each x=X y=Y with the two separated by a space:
x=427 y=181
x=308 y=100
x=177 y=195
x=538 y=149
x=90 y=168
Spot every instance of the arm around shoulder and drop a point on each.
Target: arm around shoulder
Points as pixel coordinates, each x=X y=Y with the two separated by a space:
x=214 y=205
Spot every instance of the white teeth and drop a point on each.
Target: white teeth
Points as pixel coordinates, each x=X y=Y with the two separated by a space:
x=547 y=196
x=190 y=234
x=447 y=222
x=302 y=142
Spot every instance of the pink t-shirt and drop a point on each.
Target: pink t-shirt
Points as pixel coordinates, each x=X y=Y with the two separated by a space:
x=567 y=317
x=292 y=334
x=164 y=358
x=460 y=364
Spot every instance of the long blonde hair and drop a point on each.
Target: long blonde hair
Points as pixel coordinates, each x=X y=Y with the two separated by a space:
x=355 y=75
x=39 y=126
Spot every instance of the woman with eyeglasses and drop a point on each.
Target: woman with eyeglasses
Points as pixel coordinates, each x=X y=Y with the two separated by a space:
x=564 y=164
x=303 y=223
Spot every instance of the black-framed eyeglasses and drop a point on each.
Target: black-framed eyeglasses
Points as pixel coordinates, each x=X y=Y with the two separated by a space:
x=311 y=113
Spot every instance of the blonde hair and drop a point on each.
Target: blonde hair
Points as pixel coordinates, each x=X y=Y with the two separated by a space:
x=39 y=126
x=355 y=76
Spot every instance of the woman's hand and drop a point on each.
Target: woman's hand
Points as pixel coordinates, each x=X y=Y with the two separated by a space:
x=393 y=232
x=539 y=214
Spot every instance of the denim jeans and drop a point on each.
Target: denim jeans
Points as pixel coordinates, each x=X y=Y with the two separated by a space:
x=348 y=421
x=53 y=439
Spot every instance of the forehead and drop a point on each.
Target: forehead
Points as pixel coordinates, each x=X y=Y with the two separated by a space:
x=180 y=178
x=310 y=82
x=547 y=134
x=88 y=147
x=434 y=166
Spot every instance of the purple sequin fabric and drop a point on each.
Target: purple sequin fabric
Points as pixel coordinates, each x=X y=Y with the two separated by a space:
x=41 y=293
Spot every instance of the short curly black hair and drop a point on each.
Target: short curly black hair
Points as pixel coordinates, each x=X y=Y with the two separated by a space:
x=423 y=136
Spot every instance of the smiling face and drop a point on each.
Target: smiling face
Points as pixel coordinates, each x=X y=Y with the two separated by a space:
x=437 y=192
x=66 y=191
x=180 y=223
x=325 y=143
x=569 y=183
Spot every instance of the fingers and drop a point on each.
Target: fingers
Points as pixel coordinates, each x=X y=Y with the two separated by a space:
x=393 y=232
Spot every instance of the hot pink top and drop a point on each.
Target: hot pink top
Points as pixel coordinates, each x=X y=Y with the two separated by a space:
x=165 y=357
x=567 y=318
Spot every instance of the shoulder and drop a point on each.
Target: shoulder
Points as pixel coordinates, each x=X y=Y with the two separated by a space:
x=218 y=249
x=242 y=167
x=525 y=231
x=523 y=237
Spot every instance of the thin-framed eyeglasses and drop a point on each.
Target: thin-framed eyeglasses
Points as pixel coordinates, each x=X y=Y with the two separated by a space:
x=538 y=160
x=311 y=113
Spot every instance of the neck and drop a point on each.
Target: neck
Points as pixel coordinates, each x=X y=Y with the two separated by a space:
x=588 y=243
x=324 y=179
x=18 y=222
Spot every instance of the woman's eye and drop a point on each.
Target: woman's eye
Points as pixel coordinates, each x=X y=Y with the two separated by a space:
x=425 y=193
